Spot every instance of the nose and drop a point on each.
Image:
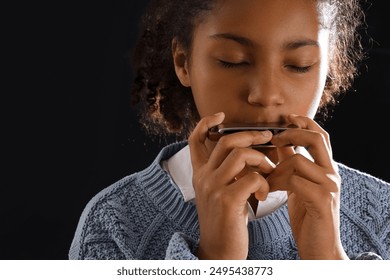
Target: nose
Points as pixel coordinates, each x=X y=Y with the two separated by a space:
x=265 y=90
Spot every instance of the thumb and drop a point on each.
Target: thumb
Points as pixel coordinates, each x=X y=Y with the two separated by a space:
x=197 y=139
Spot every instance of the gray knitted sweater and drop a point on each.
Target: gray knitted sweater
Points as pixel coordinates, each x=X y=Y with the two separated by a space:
x=144 y=216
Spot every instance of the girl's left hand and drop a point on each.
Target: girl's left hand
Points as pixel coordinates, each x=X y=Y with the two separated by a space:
x=313 y=189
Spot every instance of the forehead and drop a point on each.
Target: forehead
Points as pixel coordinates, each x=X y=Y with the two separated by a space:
x=263 y=20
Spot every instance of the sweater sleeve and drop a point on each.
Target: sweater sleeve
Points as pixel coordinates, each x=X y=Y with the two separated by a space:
x=181 y=247
x=93 y=241
x=99 y=250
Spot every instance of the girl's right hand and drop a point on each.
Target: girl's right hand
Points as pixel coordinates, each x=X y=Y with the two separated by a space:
x=221 y=198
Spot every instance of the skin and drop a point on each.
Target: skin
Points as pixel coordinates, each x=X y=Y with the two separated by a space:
x=261 y=61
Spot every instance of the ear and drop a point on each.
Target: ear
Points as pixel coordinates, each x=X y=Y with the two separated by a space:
x=180 y=61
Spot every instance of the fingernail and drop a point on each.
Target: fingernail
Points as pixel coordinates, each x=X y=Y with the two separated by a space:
x=266 y=133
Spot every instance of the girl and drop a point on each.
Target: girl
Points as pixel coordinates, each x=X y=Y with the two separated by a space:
x=203 y=63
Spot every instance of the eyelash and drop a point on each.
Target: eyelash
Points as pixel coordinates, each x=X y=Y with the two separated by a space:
x=229 y=65
x=298 y=69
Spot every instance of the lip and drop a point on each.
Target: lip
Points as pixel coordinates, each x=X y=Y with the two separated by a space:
x=260 y=122
x=259 y=126
x=267 y=119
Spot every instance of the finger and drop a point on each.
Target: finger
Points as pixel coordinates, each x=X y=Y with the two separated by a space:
x=315 y=142
x=300 y=166
x=196 y=141
x=314 y=196
x=306 y=190
x=237 y=140
x=309 y=124
x=250 y=183
x=285 y=152
x=240 y=158
x=306 y=123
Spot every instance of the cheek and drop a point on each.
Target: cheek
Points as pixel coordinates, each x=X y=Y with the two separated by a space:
x=322 y=73
x=310 y=89
x=313 y=107
x=303 y=96
x=211 y=90
x=318 y=91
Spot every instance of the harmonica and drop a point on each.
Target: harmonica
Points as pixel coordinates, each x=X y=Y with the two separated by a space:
x=216 y=132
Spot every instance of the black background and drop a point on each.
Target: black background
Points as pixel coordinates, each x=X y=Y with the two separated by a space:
x=68 y=129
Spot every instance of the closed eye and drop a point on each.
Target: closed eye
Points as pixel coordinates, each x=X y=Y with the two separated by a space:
x=227 y=64
x=300 y=69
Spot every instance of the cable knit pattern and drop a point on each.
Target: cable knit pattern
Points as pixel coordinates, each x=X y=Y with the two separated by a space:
x=368 y=208
x=144 y=216
x=181 y=248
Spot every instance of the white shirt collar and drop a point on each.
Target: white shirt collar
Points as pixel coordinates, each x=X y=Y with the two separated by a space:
x=179 y=168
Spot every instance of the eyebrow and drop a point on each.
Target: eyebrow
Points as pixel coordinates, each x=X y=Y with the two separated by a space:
x=293 y=45
x=290 y=45
x=239 y=39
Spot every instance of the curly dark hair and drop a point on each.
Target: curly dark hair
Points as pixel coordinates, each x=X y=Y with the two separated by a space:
x=167 y=107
